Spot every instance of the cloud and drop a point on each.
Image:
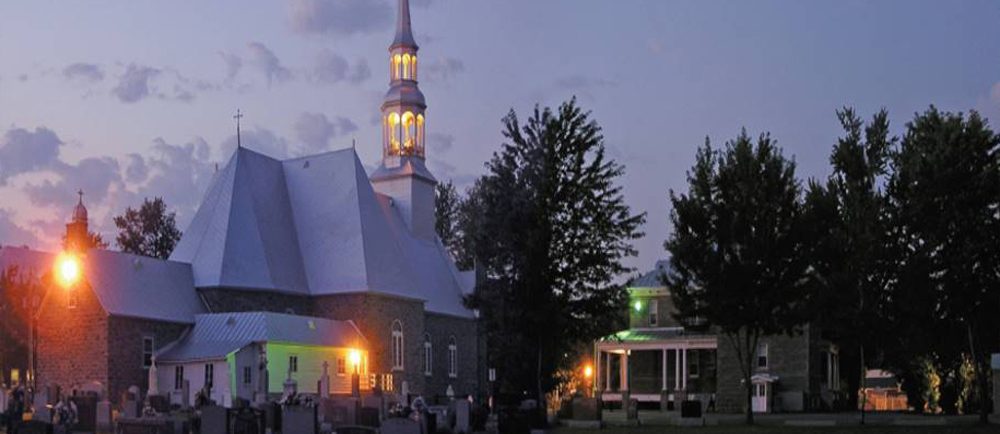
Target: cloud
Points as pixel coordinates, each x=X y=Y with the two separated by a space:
x=268 y=63
x=136 y=170
x=995 y=93
x=94 y=175
x=439 y=142
x=11 y=234
x=23 y=151
x=233 y=64
x=331 y=68
x=84 y=71
x=258 y=139
x=180 y=174
x=315 y=131
x=339 y=17
x=441 y=69
x=134 y=84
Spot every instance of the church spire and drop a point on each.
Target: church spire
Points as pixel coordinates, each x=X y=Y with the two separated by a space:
x=404 y=33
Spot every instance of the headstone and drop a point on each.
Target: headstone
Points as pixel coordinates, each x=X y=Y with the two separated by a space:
x=214 y=419
x=43 y=409
x=299 y=419
x=399 y=425
x=339 y=411
x=159 y=403
x=86 y=412
x=463 y=423
x=586 y=409
x=103 y=416
x=324 y=381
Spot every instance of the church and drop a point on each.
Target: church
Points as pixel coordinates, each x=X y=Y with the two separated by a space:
x=287 y=269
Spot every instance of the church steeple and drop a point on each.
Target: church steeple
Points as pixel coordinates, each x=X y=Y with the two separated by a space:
x=402 y=174
x=404 y=105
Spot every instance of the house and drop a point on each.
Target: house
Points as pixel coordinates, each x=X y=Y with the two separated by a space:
x=223 y=354
x=315 y=238
x=659 y=360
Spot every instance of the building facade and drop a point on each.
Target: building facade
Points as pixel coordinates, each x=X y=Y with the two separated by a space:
x=657 y=359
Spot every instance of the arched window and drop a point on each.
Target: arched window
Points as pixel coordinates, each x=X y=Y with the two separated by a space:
x=406 y=66
x=397 y=345
x=452 y=357
x=409 y=132
x=393 y=133
x=420 y=134
x=413 y=66
x=397 y=63
x=428 y=355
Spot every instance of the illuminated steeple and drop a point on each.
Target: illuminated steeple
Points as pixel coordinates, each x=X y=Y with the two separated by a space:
x=402 y=174
x=404 y=105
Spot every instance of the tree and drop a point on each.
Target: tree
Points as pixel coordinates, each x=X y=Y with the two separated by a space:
x=737 y=249
x=848 y=224
x=551 y=229
x=945 y=191
x=148 y=231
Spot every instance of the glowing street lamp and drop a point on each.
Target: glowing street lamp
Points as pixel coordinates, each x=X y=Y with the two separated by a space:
x=67 y=269
x=588 y=375
x=354 y=357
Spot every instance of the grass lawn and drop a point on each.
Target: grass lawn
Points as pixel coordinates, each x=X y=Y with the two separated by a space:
x=733 y=429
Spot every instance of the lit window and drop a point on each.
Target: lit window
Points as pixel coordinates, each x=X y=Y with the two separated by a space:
x=341 y=366
x=293 y=363
x=209 y=375
x=147 y=352
x=179 y=377
x=452 y=358
x=406 y=66
x=762 y=356
x=428 y=355
x=397 y=345
x=653 y=313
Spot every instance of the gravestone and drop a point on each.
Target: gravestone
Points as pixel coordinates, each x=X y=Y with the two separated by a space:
x=214 y=419
x=339 y=411
x=102 y=416
x=586 y=409
x=159 y=403
x=400 y=425
x=248 y=421
x=299 y=419
x=463 y=423
x=86 y=412
x=42 y=406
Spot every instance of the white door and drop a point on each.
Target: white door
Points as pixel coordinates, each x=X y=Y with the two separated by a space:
x=759 y=399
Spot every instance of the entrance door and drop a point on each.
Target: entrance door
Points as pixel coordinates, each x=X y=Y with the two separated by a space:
x=759 y=397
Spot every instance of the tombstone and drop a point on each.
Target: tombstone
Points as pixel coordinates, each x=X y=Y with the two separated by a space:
x=299 y=419
x=102 y=416
x=42 y=407
x=159 y=403
x=214 y=419
x=131 y=407
x=586 y=409
x=398 y=425
x=463 y=423
x=324 y=381
x=86 y=412
x=339 y=411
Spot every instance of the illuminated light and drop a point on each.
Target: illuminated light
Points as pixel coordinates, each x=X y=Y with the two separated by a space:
x=588 y=371
x=67 y=269
x=354 y=357
x=638 y=306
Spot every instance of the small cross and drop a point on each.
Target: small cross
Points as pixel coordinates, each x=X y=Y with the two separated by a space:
x=80 y=192
x=238 y=116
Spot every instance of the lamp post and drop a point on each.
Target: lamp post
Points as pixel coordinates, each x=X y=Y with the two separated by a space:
x=588 y=375
x=354 y=356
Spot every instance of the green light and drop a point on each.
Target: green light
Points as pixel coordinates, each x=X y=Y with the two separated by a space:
x=638 y=306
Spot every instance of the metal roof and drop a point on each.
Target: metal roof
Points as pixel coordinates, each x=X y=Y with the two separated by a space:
x=653 y=278
x=216 y=335
x=651 y=334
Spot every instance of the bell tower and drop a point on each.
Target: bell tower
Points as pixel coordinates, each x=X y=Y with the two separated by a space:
x=402 y=174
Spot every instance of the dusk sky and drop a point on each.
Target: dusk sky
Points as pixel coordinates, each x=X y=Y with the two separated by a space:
x=129 y=99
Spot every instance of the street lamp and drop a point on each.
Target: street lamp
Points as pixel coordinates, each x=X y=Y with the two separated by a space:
x=588 y=375
x=354 y=357
x=67 y=269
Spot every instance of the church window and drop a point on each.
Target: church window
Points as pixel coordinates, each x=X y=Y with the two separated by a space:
x=420 y=134
x=397 y=63
x=397 y=345
x=393 y=125
x=452 y=358
x=428 y=355
x=209 y=375
x=147 y=352
x=179 y=377
x=247 y=375
x=293 y=363
x=341 y=366
x=413 y=67
x=409 y=130
x=406 y=66
x=653 y=313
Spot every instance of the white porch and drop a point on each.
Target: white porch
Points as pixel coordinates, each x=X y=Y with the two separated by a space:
x=648 y=363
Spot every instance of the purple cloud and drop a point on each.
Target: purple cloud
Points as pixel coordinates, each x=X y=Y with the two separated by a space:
x=441 y=69
x=331 y=68
x=268 y=63
x=23 y=151
x=339 y=17
x=134 y=84
x=315 y=131
x=84 y=71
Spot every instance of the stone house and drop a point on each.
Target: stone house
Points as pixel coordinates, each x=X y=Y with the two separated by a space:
x=659 y=360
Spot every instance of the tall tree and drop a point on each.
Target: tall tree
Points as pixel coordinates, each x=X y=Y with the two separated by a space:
x=945 y=190
x=149 y=230
x=551 y=229
x=737 y=250
x=849 y=237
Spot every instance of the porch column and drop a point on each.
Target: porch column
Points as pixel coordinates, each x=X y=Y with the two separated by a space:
x=597 y=371
x=677 y=369
x=624 y=370
x=607 y=371
x=664 y=369
x=684 y=370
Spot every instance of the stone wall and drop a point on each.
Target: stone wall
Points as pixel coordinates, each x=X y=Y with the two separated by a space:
x=236 y=300
x=125 y=355
x=441 y=328
x=72 y=341
x=789 y=358
x=374 y=315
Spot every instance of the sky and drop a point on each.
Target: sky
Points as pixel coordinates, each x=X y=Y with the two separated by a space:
x=134 y=99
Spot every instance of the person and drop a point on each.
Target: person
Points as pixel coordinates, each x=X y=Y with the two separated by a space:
x=15 y=409
x=65 y=414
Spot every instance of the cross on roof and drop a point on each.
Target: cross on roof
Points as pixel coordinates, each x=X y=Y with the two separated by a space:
x=238 y=116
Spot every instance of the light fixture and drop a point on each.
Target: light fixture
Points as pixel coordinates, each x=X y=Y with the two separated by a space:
x=67 y=269
x=638 y=306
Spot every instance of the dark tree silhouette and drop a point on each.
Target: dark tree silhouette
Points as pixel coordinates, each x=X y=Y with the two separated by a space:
x=148 y=231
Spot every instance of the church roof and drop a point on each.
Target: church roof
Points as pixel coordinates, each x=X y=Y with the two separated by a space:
x=125 y=284
x=314 y=226
x=652 y=278
x=404 y=31
x=216 y=335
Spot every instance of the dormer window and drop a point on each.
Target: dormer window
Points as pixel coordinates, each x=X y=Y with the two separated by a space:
x=654 y=313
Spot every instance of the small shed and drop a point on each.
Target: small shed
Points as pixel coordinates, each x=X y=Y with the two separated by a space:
x=249 y=354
